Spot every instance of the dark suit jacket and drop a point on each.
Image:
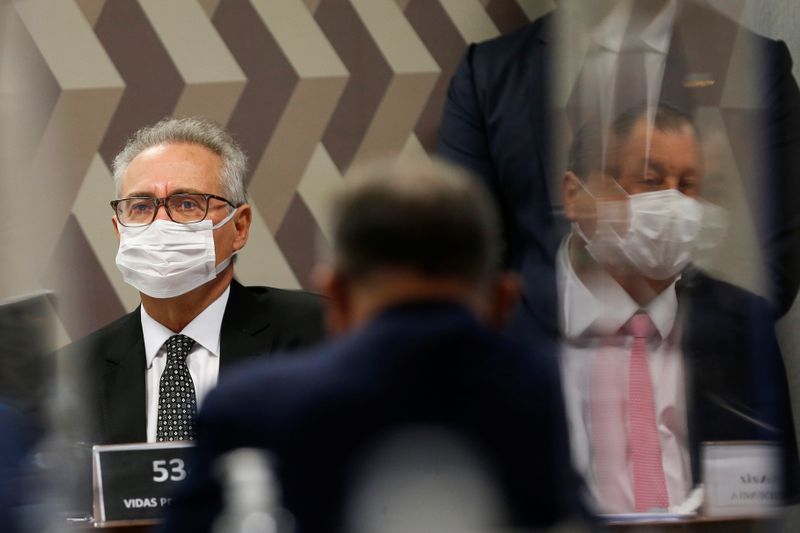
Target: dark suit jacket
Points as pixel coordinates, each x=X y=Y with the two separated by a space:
x=498 y=121
x=737 y=388
x=106 y=386
x=418 y=363
x=16 y=442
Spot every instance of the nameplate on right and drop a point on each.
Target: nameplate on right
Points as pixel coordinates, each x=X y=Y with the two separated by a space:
x=741 y=478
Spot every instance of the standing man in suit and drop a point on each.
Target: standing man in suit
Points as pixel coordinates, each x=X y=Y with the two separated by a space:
x=657 y=357
x=515 y=102
x=181 y=214
x=414 y=283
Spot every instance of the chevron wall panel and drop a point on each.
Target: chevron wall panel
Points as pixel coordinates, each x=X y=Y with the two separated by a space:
x=309 y=88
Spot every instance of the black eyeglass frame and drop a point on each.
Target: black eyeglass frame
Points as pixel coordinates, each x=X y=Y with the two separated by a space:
x=163 y=201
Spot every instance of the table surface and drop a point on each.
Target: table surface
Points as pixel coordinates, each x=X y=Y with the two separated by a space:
x=699 y=524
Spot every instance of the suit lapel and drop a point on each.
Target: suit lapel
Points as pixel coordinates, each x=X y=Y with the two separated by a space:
x=676 y=70
x=124 y=408
x=245 y=327
x=699 y=58
x=245 y=331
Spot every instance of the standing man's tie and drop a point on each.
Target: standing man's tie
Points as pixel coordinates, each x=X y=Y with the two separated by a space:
x=649 y=485
x=177 y=405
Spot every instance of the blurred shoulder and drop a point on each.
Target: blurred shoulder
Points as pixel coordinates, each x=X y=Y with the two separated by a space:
x=709 y=294
x=505 y=51
x=290 y=303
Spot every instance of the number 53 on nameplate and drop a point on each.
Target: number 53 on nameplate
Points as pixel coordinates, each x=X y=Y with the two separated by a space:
x=133 y=483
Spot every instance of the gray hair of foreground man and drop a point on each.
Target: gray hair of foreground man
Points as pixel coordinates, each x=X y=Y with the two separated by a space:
x=427 y=217
x=194 y=130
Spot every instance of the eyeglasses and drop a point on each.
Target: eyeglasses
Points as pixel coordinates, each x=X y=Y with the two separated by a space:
x=183 y=208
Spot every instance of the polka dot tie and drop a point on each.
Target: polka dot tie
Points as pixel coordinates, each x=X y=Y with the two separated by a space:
x=177 y=405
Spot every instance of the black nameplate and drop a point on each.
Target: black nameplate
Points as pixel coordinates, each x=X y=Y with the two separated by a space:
x=133 y=483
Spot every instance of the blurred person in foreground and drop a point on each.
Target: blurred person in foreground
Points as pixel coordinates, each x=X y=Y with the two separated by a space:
x=180 y=216
x=16 y=443
x=657 y=356
x=412 y=292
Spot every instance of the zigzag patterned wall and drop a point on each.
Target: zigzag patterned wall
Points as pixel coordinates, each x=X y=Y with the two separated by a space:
x=309 y=87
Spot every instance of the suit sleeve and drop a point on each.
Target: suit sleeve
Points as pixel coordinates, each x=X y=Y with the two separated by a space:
x=463 y=137
x=772 y=398
x=782 y=190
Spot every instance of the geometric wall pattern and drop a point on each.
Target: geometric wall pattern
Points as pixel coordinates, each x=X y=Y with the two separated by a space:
x=308 y=87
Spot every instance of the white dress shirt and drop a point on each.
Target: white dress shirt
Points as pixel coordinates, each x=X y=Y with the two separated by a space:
x=203 y=359
x=595 y=314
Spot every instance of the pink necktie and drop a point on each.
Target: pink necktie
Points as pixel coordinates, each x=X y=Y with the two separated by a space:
x=649 y=486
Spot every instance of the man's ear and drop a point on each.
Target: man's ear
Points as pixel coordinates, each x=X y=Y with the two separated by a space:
x=335 y=289
x=116 y=228
x=503 y=297
x=570 y=189
x=241 y=223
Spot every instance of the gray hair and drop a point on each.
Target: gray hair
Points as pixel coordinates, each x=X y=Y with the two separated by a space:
x=430 y=217
x=194 y=130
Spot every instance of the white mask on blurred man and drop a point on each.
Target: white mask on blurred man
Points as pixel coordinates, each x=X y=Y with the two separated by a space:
x=665 y=229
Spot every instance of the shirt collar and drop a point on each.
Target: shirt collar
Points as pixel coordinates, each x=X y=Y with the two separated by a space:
x=655 y=37
x=606 y=307
x=658 y=34
x=204 y=329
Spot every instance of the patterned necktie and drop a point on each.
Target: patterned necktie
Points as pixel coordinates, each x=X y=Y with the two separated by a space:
x=649 y=485
x=177 y=405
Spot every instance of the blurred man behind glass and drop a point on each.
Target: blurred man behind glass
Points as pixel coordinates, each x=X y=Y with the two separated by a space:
x=705 y=365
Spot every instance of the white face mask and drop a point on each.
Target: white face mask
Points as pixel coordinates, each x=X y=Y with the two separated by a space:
x=167 y=259
x=665 y=230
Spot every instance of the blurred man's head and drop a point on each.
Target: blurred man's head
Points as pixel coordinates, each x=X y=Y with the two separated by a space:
x=631 y=194
x=674 y=159
x=416 y=230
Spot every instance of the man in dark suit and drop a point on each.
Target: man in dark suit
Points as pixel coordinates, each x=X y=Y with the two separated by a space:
x=180 y=216
x=413 y=283
x=706 y=365
x=506 y=119
x=16 y=442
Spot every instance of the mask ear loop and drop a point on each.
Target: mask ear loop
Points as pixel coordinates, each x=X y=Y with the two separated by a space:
x=575 y=226
x=224 y=220
x=227 y=261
